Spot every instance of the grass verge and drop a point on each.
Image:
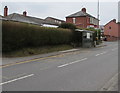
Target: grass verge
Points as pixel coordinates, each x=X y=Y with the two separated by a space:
x=37 y=50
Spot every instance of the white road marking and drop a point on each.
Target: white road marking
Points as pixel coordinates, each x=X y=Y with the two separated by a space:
x=97 y=54
x=63 y=65
x=16 y=79
x=71 y=63
x=100 y=53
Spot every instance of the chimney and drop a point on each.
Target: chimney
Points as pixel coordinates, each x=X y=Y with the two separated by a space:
x=114 y=20
x=5 y=11
x=84 y=10
x=25 y=13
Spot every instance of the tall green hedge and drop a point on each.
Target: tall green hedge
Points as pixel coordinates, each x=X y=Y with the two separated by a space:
x=68 y=26
x=18 y=35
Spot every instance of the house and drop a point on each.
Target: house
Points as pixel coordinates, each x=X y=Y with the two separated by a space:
x=55 y=20
x=112 y=30
x=82 y=19
x=28 y=19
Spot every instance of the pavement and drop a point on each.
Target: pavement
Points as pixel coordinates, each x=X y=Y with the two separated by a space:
x=72 y=70
x=6 y=61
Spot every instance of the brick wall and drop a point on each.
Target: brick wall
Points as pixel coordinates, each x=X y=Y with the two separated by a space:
x=119 y=30
x=111 y=38
x=80 y=21
x=69 y=20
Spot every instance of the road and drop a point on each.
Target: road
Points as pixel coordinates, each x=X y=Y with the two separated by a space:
x=87 y=70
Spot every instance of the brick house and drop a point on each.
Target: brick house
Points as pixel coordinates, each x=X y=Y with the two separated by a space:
x=112 y=30
x=82 y=19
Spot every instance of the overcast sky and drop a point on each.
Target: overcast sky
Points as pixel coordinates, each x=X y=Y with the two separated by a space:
x=108 y=10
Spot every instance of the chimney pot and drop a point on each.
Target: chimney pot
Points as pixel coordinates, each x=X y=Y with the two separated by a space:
x=114 y=20
x=5 y=11
x=25 y=13
x=84 y=10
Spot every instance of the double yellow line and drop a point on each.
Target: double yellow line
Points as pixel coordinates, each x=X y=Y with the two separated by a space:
x=36 y=59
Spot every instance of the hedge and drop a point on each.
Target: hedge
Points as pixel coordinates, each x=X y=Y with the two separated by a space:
x=16 y=35
x=68 y=26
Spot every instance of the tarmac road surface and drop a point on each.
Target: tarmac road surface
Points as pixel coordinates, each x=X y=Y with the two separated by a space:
x=87 y=70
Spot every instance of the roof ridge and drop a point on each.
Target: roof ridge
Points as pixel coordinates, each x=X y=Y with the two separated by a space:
x=80 y=13
x=109 y=22
x=35 y=17
x=53 y=18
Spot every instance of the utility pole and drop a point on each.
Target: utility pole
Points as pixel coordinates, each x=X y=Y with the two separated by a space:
x=98 y=17
x=98 y=13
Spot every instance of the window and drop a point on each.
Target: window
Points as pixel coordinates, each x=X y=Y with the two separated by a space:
x=110 y=27
x=74 y=19
x=91 y=20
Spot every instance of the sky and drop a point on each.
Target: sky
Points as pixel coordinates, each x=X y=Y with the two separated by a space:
x=119 y=11
x=108 y=10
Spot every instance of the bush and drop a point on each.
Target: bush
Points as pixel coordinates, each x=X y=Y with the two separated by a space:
x=18 y=35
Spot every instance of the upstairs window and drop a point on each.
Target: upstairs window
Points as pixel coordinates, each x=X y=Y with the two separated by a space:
x=91 y=20
x=110 y=27
x=74 y=19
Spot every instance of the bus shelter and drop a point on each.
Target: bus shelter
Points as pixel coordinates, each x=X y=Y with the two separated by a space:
x=87 y=38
